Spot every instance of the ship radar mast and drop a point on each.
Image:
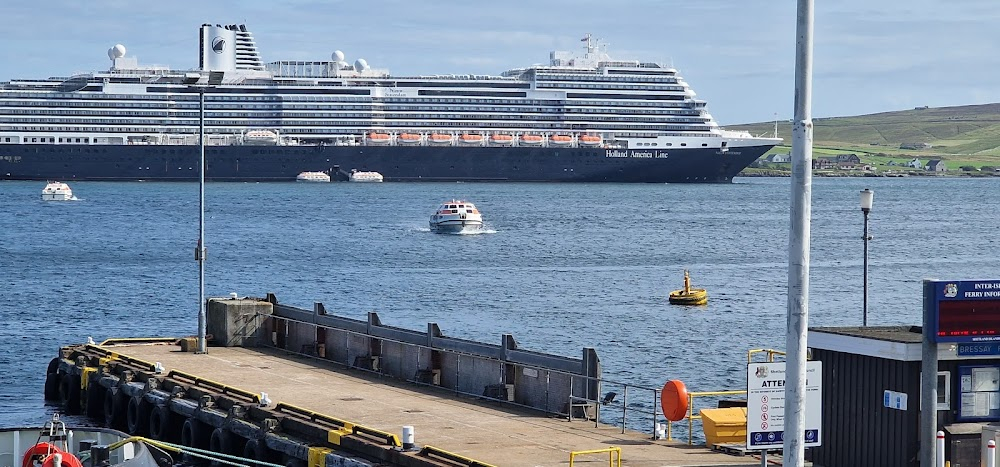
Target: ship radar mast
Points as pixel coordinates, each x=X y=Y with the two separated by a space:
x=589 y=39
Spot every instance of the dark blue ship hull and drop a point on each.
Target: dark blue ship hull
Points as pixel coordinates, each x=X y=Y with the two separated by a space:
x=395 y=163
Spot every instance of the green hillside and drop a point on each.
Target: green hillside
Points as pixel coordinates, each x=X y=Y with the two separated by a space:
x=964 y=135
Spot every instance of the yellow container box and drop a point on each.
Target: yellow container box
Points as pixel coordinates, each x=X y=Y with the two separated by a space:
x=723 y=426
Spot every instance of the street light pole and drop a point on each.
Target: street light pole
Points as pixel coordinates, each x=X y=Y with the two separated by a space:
x=867 y=197
x=200 y=251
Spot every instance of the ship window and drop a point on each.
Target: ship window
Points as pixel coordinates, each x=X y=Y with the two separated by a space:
x=684 y=144
x=704 y=144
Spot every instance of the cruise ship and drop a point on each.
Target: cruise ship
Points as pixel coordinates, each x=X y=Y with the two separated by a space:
x=581 y=118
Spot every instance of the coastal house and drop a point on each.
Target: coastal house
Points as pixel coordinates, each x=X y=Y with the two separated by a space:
x=779 y=158
x=848 y=161
x=823 y=163
x=936 y=165
x=915 y=164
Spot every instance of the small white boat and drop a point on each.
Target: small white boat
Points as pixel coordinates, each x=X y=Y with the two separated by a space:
x=57 y=191
x=312 y=177
x=456 y=216
x=365 y=176
x=55 y=444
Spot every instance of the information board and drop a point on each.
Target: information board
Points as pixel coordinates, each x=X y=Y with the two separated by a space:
x=979 y=393
x=766 y=405
x=965 y=311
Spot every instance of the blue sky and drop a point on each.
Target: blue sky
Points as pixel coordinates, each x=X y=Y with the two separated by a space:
x=870 y=56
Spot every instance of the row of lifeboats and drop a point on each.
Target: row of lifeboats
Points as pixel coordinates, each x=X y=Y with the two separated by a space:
x=472 y=139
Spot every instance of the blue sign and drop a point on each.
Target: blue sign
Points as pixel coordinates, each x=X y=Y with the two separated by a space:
x=969 y=350
x=964 y=312
x=770 y=438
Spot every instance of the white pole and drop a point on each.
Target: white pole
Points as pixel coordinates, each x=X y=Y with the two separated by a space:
x=939 y=449
x=991 y=453
x=200 y=252
x=798 y=245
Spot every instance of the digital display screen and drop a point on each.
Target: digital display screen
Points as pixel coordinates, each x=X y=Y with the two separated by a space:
x=969 y=318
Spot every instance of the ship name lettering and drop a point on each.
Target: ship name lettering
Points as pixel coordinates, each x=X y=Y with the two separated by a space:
x=615 y=153
x=642 y=154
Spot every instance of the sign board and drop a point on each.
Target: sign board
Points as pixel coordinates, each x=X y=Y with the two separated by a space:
x=894 y=400
x=965 y=311
x=766 y=405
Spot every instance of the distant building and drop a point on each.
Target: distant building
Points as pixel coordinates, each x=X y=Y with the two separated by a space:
x=840 y=161
x=915 y=164
x=779 y=158
x=915 y=146
x=923 y=107
x=936 y=165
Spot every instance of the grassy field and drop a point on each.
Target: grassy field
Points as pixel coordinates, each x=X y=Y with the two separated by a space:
x=960 y=136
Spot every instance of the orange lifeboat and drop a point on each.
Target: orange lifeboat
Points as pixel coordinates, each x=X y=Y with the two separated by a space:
x=531 y=140
x=561 y=140
x=410 y=138
x=439 y=138
x=501 y=139
x=589 y=140
x=378 y=138
x=471 y=139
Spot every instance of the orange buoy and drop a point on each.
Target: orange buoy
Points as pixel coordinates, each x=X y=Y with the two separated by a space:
x=44 y=454
x=674 y=400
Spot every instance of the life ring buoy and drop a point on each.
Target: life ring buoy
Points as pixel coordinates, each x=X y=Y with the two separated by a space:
x=44 y=453
x=674 y=400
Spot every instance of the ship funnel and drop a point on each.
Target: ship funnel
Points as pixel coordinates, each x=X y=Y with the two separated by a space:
x=218 y=49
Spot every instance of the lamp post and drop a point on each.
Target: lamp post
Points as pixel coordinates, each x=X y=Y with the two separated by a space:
x=867 y=197
x=200 y=251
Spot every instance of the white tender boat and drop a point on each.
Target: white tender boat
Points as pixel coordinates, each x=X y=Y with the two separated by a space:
x=57 y=191
x=54 y=444
x=312 y=177
x=456 y=216
x=365 y=177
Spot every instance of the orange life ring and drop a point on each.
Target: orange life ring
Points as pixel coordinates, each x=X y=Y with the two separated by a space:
x=674 y=400
x=43 y=453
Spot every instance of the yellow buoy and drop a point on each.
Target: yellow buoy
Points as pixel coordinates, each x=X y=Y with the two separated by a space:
x=688 y=296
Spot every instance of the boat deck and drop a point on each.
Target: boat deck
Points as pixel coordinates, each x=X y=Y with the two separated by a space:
x=482 y=430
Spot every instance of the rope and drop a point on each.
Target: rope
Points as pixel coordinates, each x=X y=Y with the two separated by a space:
x=194 y=452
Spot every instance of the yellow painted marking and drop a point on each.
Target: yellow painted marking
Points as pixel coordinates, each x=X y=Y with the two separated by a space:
x=317 y=456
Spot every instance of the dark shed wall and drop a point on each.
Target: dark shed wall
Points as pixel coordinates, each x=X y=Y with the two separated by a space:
x=857 y=430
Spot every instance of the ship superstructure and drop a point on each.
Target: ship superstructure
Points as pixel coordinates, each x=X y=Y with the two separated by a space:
x=591 y=107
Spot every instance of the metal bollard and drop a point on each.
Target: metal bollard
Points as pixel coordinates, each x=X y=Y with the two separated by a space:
x=991 y=453
x=939 y=449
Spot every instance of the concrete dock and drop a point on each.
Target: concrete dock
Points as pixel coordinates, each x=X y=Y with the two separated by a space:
x=484 y=430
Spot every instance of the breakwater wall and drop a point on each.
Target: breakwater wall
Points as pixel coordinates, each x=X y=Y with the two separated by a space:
x=501 y=371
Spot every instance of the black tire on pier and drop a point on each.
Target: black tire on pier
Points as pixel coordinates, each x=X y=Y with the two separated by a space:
x=257 y=449
x=52 y=381
x=95 y=400
x=69 y=393
x=192 y=436
x=221 y=441
x=137 y=416
x=162 y=425
x=114 y=409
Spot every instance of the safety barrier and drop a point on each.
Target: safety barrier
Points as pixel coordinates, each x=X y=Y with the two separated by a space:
x=612 y=451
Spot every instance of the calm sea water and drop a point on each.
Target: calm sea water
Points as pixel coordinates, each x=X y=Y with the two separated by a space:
x=562 y=267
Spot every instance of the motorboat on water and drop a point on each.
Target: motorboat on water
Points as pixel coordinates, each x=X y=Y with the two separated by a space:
x=54 y=444
x=456 y=216
x=57 y=191
x=312 y=177
x=357 y=176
